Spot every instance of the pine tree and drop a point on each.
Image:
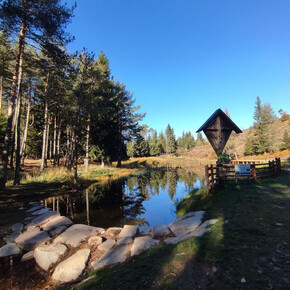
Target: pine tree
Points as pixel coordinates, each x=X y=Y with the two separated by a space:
x=154 y=145
x=249 y=147
x=263 y=116
x=42 y=22
x=170 y=140
x=286 y=141
x=200 y=140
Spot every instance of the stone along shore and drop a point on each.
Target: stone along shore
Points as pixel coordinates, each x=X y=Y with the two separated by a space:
x=66 y=250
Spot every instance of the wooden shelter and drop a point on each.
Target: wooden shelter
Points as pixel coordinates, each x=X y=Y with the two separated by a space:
x=217 y=129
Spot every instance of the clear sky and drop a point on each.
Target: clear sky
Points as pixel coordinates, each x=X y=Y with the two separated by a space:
x=183 y=59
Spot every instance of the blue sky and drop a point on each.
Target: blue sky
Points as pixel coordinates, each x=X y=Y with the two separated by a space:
x=183 y=59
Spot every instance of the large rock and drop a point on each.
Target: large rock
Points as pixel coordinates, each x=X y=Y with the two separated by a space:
x=57 y=222
x=58 y=231
x=124 y=241
x=128 y=231
x=30 y=239
x=41 y=211
x=95 y=241
x=70 y=269
x=185 y=235
x=34 y=208
x=9 y=250
x=17 y=227
x=42 y=219
x=187 y=223
x=11 y=238
x=141 y=244
x=47 y=255
x=158 y=231
x=145 y=230
x=113 y=232
x=107 y=245
x=76 y=234
x=27 y=256
x=114 y=256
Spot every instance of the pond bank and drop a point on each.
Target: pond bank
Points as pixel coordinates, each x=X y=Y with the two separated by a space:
x=64 y=250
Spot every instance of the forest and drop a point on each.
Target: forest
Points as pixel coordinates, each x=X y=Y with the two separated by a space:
x=66 y=108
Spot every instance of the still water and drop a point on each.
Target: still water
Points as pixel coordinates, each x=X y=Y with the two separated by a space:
x=148 y=199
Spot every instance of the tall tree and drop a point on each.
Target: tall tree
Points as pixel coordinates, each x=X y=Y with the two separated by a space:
x=170 y=140
x=43 y=22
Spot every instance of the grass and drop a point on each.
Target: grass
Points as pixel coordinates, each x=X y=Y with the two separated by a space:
x=250 y=241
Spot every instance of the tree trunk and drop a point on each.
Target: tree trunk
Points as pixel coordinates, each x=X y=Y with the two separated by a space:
x=58 y=143
x=54 y=142
x=24 y=139
x=15 y=89
x=75 y=156
x=44 y=136
x=87 y=158
x=18 y=144
x=1 y=91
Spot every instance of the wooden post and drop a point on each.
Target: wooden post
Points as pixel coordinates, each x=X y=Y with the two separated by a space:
x=253 y=172
x=212 y=177
x=206 y=179
x=278 y=164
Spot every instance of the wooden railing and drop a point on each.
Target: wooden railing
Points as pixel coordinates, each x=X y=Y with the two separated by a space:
x=217 y=174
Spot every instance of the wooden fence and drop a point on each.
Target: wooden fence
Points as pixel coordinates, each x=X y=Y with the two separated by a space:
x=219 y=173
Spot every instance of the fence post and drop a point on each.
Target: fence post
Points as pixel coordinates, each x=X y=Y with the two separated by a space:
x=212 y=178
x=253 y=172
x=206 y=179
x=278 y=164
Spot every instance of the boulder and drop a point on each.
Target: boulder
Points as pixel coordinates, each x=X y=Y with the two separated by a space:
x=113 y=232
x=95 y=241
x=145 y=230
x=77 y=234
x=34 y=208
x=141 y=244
x=107 y=245
x=9 y=250
x=11 y=238
x=17 y=227
x=187 y=223
x=41 y=211
x=128 y=231
x=158 y=231
x=58 y=231
x=30 y=239
x=125 y=241
x=42 y=219
x=185 y=235
x=27 y=256
x=114 y=256
x=57 y=222
x=47 y=255
x=70 y=269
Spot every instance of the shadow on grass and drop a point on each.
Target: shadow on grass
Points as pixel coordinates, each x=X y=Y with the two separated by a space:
x=246 y=249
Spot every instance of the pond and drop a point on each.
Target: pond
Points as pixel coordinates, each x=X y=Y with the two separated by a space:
x=149 y=199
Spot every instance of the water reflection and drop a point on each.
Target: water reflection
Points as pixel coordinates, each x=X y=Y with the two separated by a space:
x=148 y=199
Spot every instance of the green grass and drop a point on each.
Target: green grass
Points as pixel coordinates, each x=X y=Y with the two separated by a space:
x=247 y=241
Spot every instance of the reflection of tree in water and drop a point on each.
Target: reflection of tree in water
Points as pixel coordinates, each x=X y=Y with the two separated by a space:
x=172 y=178
x=122 y=200
x=187 y=177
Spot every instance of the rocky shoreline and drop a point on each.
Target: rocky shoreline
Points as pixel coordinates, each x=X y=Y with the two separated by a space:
x=66 y=250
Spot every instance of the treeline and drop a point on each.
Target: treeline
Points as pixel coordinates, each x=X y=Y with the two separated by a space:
x=150 y=143
x=262 y=137
x=58 y=106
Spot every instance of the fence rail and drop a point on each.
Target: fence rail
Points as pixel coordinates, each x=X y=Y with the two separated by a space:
x=217 y=174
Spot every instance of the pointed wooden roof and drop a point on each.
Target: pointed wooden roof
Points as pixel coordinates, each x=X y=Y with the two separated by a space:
x=218 y=128
x=224 y=117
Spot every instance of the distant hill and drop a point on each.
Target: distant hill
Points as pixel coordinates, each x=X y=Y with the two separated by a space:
x=236 y=143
